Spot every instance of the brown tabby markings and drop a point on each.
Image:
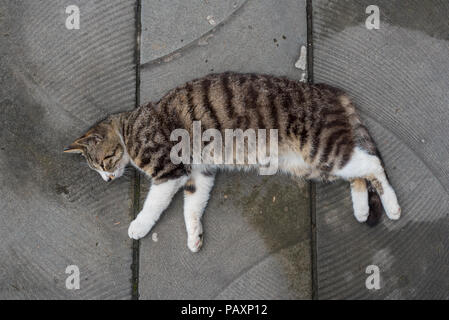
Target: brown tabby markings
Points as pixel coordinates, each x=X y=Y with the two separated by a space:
x=317 y=121
x=189 y=187
x=376 y=184
x=359 y=185
x=318 y=130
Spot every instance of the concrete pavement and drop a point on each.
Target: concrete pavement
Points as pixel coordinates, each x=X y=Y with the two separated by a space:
x=56 y=213
x=398 y=76
x=255 y=248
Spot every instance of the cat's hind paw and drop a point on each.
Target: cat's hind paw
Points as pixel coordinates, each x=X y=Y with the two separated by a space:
x=138 y=230
x=361 y=216
x=393 y=212
x=195 y=243
x=360 y=209
x=391 y=206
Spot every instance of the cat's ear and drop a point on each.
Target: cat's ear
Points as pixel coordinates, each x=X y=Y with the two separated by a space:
x=80 y=144
x=89 y=139
x=74 y=148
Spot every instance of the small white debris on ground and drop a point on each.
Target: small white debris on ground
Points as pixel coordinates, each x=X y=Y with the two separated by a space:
x=211 y=20
x=154 y=237
x=302 y=61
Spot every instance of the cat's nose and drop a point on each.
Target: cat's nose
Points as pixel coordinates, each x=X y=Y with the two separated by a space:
x=108 y=179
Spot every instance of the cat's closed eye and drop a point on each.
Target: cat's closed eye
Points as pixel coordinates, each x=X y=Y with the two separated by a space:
x=109 y=156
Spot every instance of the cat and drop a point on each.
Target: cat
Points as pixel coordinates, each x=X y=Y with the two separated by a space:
x=320 y=136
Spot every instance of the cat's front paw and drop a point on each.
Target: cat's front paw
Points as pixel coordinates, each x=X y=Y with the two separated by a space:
x=138 y=229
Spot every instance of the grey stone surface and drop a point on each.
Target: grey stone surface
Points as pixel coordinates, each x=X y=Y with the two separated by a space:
x=167 y=27
x=54 y=211
x=256 y=244
x=254 y=248
x=262 y=36
x=398 y=76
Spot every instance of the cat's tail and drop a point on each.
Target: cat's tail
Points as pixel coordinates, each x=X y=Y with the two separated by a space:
x=376 y=209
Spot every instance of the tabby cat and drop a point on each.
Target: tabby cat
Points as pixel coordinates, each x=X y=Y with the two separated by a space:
x=320 y=136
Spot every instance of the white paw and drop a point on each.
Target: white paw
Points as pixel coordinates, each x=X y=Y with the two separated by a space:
x=361 y=216
x=391 y=206
x=393 y=212
x=361 y=210
x=138 y=229
x=195 y=237
x=195 y=242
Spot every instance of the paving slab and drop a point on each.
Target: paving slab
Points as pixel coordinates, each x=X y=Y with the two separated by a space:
x=256 y=244
x=262 y=36
x=54 y=211
x=169 y=27
x=256 y=229
x=398 y=76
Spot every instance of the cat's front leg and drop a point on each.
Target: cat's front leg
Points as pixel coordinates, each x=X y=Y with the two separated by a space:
x=157 y=201
x=196 y=194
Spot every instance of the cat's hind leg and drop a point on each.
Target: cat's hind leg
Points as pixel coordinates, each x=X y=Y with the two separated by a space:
x=196 y=195
x=367 y=166
x=157 y=201
x=359 y=195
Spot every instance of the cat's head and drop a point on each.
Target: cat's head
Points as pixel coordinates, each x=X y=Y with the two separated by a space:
x=103 y=149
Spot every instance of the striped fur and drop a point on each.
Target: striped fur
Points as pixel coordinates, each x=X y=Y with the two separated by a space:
x=320 y=136
x=315 y=121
